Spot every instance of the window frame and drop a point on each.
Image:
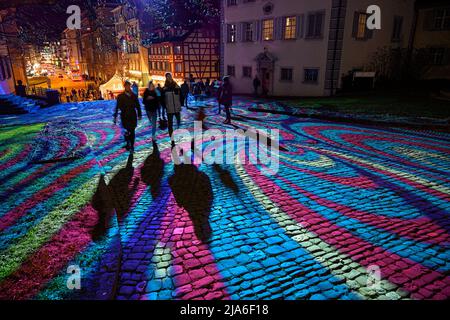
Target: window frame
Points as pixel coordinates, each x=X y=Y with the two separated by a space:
x=312 y=16
x=444 y=18
x=361 y=26
x=293 y=28
x=231 y=67
x=248 y=31
x=311 y=81
x=434 y=53
x=263 y=29
x=250 y=75
x=287 y=79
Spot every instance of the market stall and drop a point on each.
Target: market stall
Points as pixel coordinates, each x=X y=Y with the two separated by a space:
x=112 y=88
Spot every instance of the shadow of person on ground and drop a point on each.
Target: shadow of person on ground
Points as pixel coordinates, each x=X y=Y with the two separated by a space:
x=152 y=171
x=226 y=178
x=122 y=188
x=193 y=192
x=102 y=202
x=262 y=138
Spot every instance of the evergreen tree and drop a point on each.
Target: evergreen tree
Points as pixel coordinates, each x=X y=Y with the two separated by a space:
x=183 y=14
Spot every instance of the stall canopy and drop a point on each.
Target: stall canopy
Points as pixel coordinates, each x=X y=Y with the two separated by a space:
x=115 y=84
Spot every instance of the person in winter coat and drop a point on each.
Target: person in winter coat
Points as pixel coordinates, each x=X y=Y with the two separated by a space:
x=135 y=88
x=151 y=104
x=185 y=93
x=130 y=111
x=21 y=89
x=172 y=101
x=256 y=85
x=162 y=114
x=226 y=98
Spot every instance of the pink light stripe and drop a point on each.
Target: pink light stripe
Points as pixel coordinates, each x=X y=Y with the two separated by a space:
x=61 y=182
x=424 y=225
x=414 y=275
x=358 y=138
x=14 y=214
x=48 y=261
x=16 y=159
x=315 y=131
x=433 y=192
x=197 y=275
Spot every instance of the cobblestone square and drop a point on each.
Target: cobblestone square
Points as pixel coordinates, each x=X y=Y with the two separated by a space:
x=354 y=211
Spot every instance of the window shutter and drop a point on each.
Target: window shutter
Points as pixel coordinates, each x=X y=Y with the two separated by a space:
x=369 y=33
x=240 y=32
x=320 y=20
x=279 y=32
x=254 y=23
x=225 y=33
x=300 y=26
x=355 y=25
x=311 y=25
x=428 y=20
x=258 y=30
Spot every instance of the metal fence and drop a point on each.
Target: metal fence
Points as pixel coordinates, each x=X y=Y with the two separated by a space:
x=37 y=91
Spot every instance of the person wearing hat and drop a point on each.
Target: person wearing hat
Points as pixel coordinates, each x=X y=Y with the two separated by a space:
x=225 y=96
x=130 y=112
x=172 y=101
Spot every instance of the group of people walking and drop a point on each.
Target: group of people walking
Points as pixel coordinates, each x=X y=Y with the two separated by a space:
x=164 y=103
x=80 y=95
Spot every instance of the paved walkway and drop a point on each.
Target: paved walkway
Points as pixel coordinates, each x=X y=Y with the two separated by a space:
x=348 y=202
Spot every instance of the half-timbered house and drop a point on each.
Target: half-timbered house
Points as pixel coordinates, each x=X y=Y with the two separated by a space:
x=186 y=54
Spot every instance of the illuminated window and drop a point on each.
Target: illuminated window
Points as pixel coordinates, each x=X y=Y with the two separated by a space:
x=360 y=30
x=290 y=28
x=268 y=29
x=362 y=21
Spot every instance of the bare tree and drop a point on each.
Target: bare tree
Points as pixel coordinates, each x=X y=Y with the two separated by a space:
x=397 y=64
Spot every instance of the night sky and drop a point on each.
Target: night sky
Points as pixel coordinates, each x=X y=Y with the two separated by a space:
x=43 y=20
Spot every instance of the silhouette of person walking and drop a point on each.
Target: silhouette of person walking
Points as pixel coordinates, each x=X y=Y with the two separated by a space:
x=130 y=112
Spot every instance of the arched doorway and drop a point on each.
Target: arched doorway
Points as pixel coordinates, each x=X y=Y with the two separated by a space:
x=266 y=66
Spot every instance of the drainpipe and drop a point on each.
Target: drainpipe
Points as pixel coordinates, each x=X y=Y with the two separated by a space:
x=222 y=40
x=333 y=65
x=412 y=36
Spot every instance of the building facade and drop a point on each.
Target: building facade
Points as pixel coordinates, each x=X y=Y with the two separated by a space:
x=17 y=50
x=187 y=54
x=132 y=56
x=6 y=74
x=92 y=51
x=71 y=40
x=303 y=48
x=432 y=35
